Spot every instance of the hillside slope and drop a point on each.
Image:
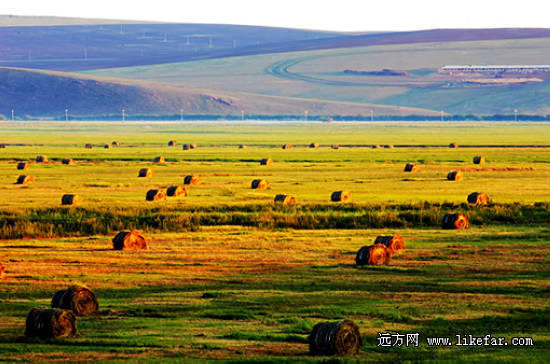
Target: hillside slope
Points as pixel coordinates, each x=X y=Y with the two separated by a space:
x=33 y=93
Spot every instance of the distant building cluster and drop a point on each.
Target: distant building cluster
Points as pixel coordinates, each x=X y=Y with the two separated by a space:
x=452 y=69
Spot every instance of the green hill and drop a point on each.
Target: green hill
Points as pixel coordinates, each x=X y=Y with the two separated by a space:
x=33 y=93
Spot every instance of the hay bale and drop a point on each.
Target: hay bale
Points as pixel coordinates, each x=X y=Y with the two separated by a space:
x=266 y=162
x=23 y=165
x=455 y=221
x=2 y=146
x=411 y=167
x=159 y=159
x=335 y=338
x=126 y=240
x=314 y=145
x=155 y=195
x=377 y=254
x=175 y=191
x=41 y=159
x=242 y=146
x=69 y=199
x=145 y=172
x=388 y=146
x=191 y=179
x=455 y=176
x=340 y=196
x=50 y=323
x=25 y=180
x=107 y=146
x=453 y=145
x=78 y=299
x=172 y=143
x=189 y=146
x=375 y=146
x=285 y=199
x=335 y=146
x=286 y=146
x=88 y=146
x=394 y=243
x=479 y=159
x=479 y=198
x=259 y=184
x=115 y=143
x=68 y=161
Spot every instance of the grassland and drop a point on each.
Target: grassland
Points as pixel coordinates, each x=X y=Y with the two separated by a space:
x=252 y=290
x=318 y=74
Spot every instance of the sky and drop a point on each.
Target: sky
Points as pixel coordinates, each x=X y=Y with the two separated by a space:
x=338 y=15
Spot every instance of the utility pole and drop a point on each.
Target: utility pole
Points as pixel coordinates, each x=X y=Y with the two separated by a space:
x=441 y=115
x=66 y=114
x=371 y=115
x=515 y=114
x=123 y=115
x=181 y=114
x=242 y=114
x=305 y=115
x=12 y=115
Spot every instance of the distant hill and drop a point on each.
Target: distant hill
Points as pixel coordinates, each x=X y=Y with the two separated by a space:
x=40 y=21
x=87 y=44
x=33 y=93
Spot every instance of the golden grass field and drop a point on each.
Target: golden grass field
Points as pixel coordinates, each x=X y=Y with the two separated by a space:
x=252 y=291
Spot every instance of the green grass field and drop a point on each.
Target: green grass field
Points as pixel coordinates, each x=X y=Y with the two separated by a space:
x=227 y=277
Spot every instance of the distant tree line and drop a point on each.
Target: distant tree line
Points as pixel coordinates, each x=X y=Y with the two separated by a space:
x=301 y=117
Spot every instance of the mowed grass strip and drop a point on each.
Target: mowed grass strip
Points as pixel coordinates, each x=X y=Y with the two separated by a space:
x=229 y=292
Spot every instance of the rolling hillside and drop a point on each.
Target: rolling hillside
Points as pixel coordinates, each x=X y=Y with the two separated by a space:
x=32 y=93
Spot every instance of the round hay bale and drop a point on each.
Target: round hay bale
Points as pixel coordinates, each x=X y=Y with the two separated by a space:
x=155 y=195
x=377 y=254
x=335 y=338
x=286 y=146
x=2 y=271
x=335 y=146
x=129 y=240
x=266 y=162
x=68 y=161
x=23 y=165
x=172 y=143
x=2 y=146
x=191 y=179
x=145 y=172
x=394 y=243
x=455 y=221
x=455 y=176
x=340 y=196
x=242 y=146
x=107 y=146
x=78 y=299
x=314 y=145
x=479 y=159
x=285 y=199
x=50 y=323
x=479 y=198
x=411 y=167
x=115 y=143
x=388 y=146
x=88 y=146
x=69 y=199
x=175 y=191
x=41 y=159
x=376 y=146
x=25 y=180
x=159 y=159
x=189 y=146
x=259 y=184
x=453 y=145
